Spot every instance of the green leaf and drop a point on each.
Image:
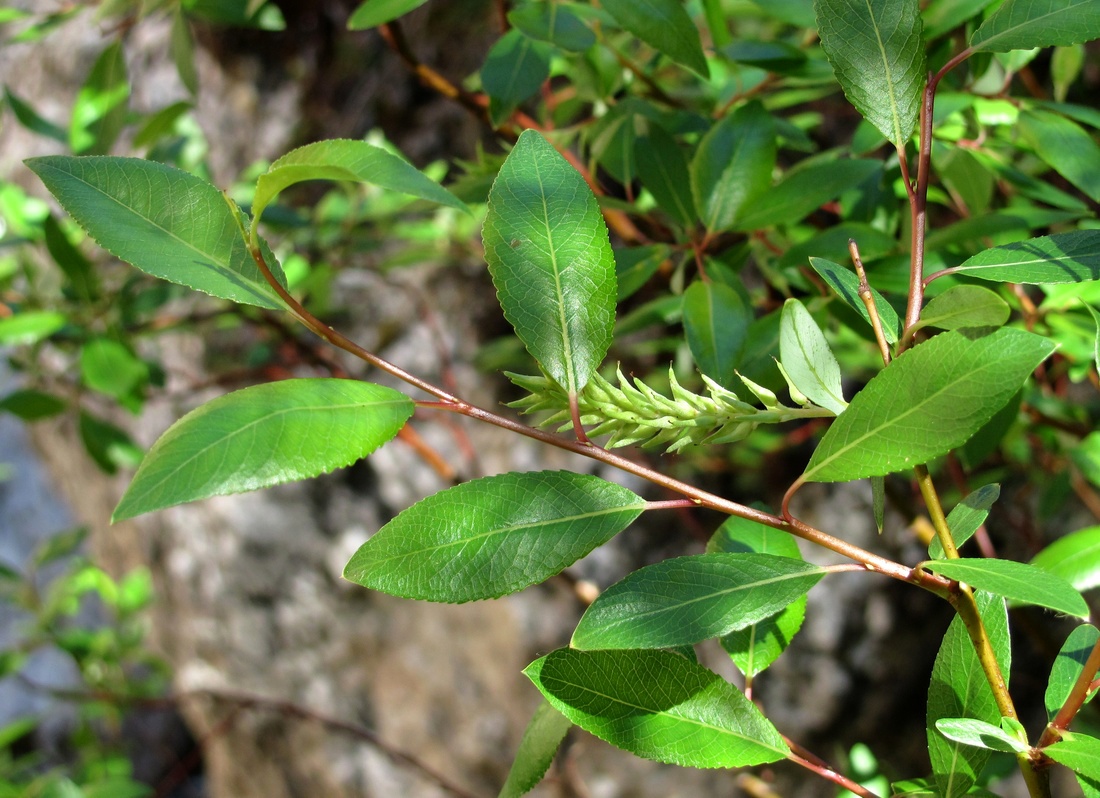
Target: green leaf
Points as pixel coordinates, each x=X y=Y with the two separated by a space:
x=110 y=367
x=1024 y=24
x=1075 y=558
x=807 y=358
x=635 y=265
x=554 y=23
x=109 y=446
x=77 y=268
x=929 y=400
x=241 y=13
x=979 y=734
x=716 y=323
x=733 y=165
x=540 y=743
x=31 y=120
x=846 y=284
x=182 y=47
x=99 y=111
x=1096 y=346
x=1060 y=258
x=684 y=600
x=1078 y=752
x=1065 y=146
x=515 y=68
x=663 y=25
x=965 y=518
x=1086 y=456
x=493 y=536
x=1017 y=581
x=658 y=705
x=373 y=13
x=877 y=51
x=550 y=258
x=31 y=405
x=959 y=689
x=164 y=221
x=1068 y=666
x=262 y=436
x=962 y=306
x=30 y=326
x=943 y=16
x=663 y=169
x=803 y=192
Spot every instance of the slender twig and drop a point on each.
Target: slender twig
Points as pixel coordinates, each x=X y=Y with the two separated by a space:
x=394 y=36
x=800 y=756
x=1078 y=694
x=869 y=301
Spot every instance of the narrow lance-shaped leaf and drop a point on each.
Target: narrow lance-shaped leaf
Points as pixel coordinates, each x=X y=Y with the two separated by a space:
x=658 y=705
x=979 y=734
x=1065 y=146
x=541 y=740
x=1017 y=581
x=1060 y=258
x=555 y=23
x=373 y=13
x=99 y=111
x=716 y=323
x=965 y=518
x=1096 y=345
x=800 y=194
x=515 y=67
x=1024 y=24
x=733 y=165
x=262 y=436
x=1075 y=558
x=663 y=170
x=665 y=26
x=877 y=51
x=1078 y=752
x=1067 y=667
x=493 y=536
x=807 y=358
x=846 y=284
x=963 y=306
x=550 y=258
x=164 y=221
x=929 y=400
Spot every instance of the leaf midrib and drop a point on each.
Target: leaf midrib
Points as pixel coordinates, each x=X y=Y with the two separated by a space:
x=983 y=45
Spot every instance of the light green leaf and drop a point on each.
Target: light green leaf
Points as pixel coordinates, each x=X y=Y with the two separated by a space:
x=1064 y=145
x=962 y=306
x=373 y=13
x=846 y=284
x=965 y=518
x=99 y=111
x=1060 y=258
x=1068 y=665
x=716 y=322
x=262 y=436
x=1075 y=558
x=807 y=358
x=109 y=367
x=553 y=22
x=733 y=165
x=537 y=749
x=663 y=25
x=959 y=689
x=658 y=705
x=663 y=169
x=493 y=536
x=550 y=258
x=1078 y=752
x=1096 y=346
x=1024 y=24
x=877 y=51
x=684 y=600
x=929 y=400
x=345 y=159
x=979 y=734
x=803 y=192
x=1017 y=581
x=164 y=221
x=30 y=326
x=514 y=69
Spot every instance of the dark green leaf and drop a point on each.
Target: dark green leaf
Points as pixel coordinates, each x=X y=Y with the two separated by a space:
x=663 y=25
x=1060 y=258
x=99 y=111
x=540 y=743
x=30 y=326
x=1068 y=665
x=807 y=358
x=1017 y=581
x=32 y=121
x=979 y=734
x=242 y=13
x=1078 y=752
x=553 y=22
x=943 y=16
x=877 y=51
x=962 y=306
x=929 y=400
x=1065 y=146
x=803 y=192
x=182 y=47
x=493 y=536
x=58 y=546
x=846 y=284
x=107 y=445
x=550 y=258
x=778 y=57
x=262 y=436
x=716 y=322
x=733 y=166
x=109 y=367
x=31 y=405
x=164 y=221
x=373 y=13
x=966 y=517
x=635 y=265
x=658 y=705
x=685 y=600
x=1024 y=24
x=1075 y=558
x=663 y=169
x=514 y=69
x=71 y=261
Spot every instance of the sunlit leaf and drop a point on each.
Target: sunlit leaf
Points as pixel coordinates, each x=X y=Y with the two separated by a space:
x=965 y=518
x=665 y=26
x=1075 y=558
x=515 y=67
x=1021 y=582
x=1078 y=752
x=807 y=358
x=1024 y=24
x=962 y=306
x=540 y=743
x=1068 y=665
x=979 y=734
x=373 y=13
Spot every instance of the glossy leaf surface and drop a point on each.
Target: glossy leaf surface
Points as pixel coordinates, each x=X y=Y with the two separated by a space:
x=1075 y=558
x=540 y=743
x=1078 y=752
x=846 y=284
x=966 y=516
x=716 y=322
x=1068 y=665
x=800 y=194
x=1017 y=581
x=264 y=435
x=979 y=734
x=962 y=306
x=373 y=13
x=1060 y=258
x=493 y=536
x=807 y=358
x=1024 y=24
x=663 y=25
x=733 y=165
x=658 y=705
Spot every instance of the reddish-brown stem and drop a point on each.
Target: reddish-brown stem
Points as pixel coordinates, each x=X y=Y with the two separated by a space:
x=671 y=504
x=800 y=756
x=394 y=36
x=868 y=300
x=1074 y=701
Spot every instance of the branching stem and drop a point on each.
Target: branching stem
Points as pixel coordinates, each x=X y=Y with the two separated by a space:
x=800 y=756
x=1078 y=694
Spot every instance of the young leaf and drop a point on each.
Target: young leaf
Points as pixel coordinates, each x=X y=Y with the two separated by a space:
x=959 y=689
x=1060 y=258
x=685 y=600
x=1017 y=581
x=802 y=193
x=493 y=536
x=554 y=23
x=846 y=284
x=110 y=367
x=1024 y=24
x=929 y=400
x=164 y=221
x=540 y=743
x=1067 y=667
x=514 y=69
x=658 y=705
x=716 y=322
x=663 y=25
x=30 y=326
x=663 y=169
x=965 y=518
x=1065 y=146
x=1078 y=752
x=550 y=258
x=807 y=358
x=262 y=436
x=733 y=165
x=373 y=13
x=877 y=51
x=99 y=111
x=979 y=734
x=1075 y=558
x=962 y=306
